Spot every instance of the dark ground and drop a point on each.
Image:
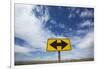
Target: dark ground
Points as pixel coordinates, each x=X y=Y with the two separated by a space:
x=46 y=62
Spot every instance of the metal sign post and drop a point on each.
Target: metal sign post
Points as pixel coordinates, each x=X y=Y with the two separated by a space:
x=59 y=57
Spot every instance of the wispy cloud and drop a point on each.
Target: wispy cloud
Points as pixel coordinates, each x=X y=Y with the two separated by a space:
x=87 y=41
x=86 y=23
x=29 y=27
x=21 y=49
x=87 y=13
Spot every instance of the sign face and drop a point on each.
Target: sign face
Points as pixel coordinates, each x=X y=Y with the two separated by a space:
x=58 y=44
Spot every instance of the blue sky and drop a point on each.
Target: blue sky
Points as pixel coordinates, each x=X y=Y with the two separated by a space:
x=34 y=24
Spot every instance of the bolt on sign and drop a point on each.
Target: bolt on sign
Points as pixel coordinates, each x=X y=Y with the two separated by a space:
x=58 y=44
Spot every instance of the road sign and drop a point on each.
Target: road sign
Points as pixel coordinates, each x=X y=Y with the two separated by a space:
x=58 y=44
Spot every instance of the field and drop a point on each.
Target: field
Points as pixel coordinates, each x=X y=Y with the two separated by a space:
x=46 y=62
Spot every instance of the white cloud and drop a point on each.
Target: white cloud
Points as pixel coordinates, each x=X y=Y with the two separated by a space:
x=53 y=21
x=79 y=53
x=47 y=58
x=86 y=13
x=22 y=49
x=71 y=15
x=75 y=40
x=44 y=14
x=81 y=31
x=87 y=41
x=86 y=23
x=30 y=28
x=77 y=11
x=84 y=47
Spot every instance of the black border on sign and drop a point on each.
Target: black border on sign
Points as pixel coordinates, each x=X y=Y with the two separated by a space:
x=57 y=50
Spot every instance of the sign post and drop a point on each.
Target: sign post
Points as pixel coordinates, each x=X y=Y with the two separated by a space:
x=58 y=45
x=59 y=57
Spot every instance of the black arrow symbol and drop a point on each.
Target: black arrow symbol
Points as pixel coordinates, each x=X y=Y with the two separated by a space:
x=55 y=44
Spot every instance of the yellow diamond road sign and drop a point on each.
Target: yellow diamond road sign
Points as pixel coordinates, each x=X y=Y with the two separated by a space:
x=58 y=44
